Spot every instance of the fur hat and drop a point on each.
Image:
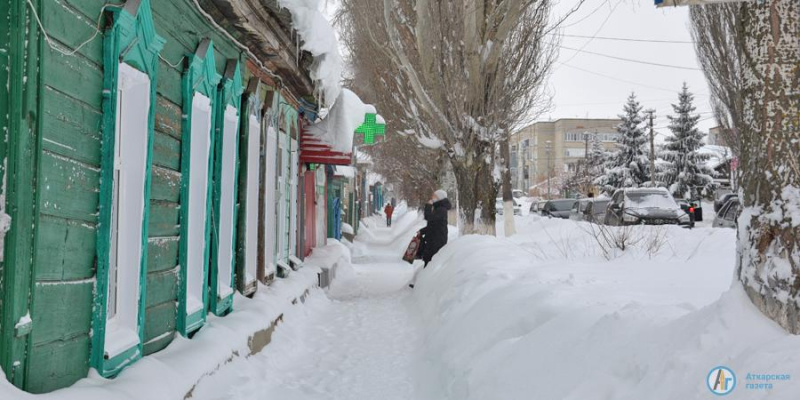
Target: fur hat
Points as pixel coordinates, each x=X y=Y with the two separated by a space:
x=440 y=195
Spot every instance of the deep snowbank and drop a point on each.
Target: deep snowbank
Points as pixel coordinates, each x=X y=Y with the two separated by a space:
x=544 y=315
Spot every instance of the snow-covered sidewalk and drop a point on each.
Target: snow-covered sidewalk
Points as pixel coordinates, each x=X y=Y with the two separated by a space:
x=360 y=340
x=546 y=314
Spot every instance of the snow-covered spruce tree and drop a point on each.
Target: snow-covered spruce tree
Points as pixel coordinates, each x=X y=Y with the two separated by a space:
x=596 y=158
x=459 y=75
x=629 y=166
x=769 y=227
x=685 y=173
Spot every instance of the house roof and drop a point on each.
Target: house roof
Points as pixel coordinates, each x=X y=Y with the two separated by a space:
x=266 y=30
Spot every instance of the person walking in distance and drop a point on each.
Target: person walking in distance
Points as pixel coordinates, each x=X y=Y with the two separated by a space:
x=434 y=234
x=388 y=210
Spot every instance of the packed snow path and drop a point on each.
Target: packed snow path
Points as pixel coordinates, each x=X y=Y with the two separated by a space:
x=361 y=342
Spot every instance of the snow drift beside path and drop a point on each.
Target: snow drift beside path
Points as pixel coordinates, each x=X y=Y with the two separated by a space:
x=544 y=316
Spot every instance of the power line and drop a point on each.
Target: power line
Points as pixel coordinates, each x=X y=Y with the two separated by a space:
x=630 y=60
x=597 y=31
x=618 y=79
x=629 y=39
x=587 y=16
x=611 y=102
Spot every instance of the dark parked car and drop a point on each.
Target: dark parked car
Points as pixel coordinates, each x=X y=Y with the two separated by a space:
x=577 y=210
x=721 y=201
x=558 y=208
x=726 y=218
x=596 y=211
x=647 y=206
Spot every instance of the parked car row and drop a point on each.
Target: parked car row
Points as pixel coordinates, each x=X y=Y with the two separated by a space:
x=498 y=206
x=633 y=206
x=636 y=206
x=590 y=210
x=645 y=206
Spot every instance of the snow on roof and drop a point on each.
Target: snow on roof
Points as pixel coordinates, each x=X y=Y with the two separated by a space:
x=373 y=178
x=319 y=39
x=339 y=126
x=717 y=155
x=345 y=171
x=363 y=158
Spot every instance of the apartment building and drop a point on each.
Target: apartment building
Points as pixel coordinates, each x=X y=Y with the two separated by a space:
x=558 y=144
x=715 y=136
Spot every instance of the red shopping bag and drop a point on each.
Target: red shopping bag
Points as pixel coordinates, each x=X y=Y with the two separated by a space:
x=413 y=248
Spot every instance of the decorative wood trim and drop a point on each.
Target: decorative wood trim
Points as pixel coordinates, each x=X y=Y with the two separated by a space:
x=132 y=40
x=200 y=76
x=229 y=94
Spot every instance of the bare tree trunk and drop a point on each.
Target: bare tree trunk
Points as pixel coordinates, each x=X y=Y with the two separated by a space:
x=475 y=185
x=769 y=228
x=508 y=197
x=719 y=38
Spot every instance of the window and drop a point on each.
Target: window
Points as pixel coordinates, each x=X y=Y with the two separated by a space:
x=127 y=211
x=227 y=180
x=575 y=152
x=128 y=115
x=608 y=137
x=732 y=211
x=197 y=204
x=251 y=205
x=271 y=201
x=200 y=92
x=574 y=136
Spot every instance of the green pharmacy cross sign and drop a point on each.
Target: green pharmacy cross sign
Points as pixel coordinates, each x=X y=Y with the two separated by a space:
x=371 y=127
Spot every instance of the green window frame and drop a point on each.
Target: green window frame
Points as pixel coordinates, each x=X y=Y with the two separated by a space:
x=226 y=171
x=199 y=84
x=250 y=135
x=132 y=45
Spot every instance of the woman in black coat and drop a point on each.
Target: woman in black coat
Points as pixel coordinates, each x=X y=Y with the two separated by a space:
x=434 y=235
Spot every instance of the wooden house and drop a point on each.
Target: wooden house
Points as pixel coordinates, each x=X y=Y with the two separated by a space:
x=150 y=169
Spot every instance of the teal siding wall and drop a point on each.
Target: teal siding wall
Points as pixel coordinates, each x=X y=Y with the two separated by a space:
x=68 y=185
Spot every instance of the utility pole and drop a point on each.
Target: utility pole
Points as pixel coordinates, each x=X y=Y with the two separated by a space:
x=547 y=150
x=651 y=115
x=585 y=187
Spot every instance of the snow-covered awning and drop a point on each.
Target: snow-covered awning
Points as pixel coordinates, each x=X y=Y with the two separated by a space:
x=345 y=171
x=330 y=141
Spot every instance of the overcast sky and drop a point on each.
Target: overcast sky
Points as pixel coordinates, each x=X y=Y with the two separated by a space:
x=594 y=86
x=597 y=86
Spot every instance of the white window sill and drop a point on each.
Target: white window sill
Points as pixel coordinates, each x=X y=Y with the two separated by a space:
x=119 y=339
